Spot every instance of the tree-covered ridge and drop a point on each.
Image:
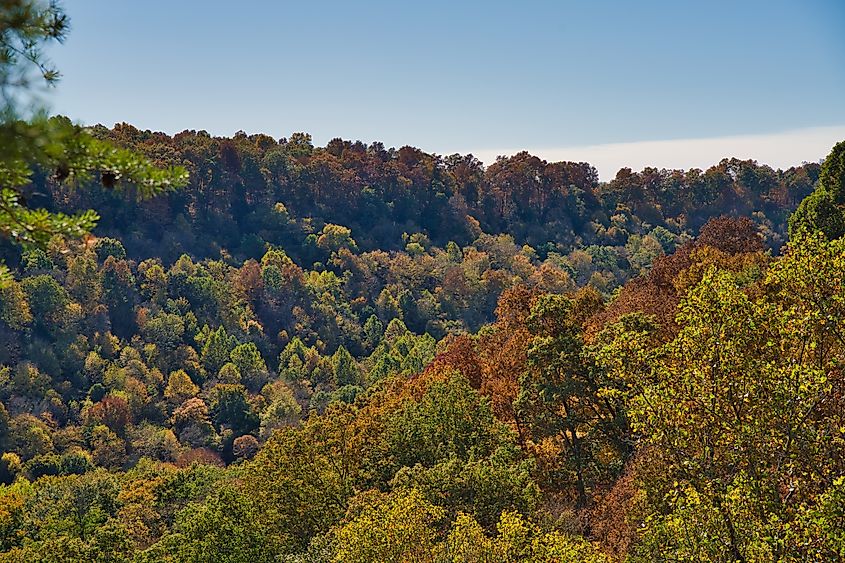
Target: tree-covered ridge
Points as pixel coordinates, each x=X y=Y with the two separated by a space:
x=479 y=401
x=360 y=354
x=240 y=185
x=485 y=401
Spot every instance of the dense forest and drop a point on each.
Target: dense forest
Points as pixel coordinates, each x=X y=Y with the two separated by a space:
x=241 y=370
x=247 y=349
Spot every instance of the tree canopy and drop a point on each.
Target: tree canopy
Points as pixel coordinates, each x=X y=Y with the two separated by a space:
x=359 y=353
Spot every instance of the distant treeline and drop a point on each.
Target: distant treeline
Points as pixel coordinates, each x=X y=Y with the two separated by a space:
x=239 y=184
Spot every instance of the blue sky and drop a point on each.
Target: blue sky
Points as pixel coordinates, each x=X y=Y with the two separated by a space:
x=482 y=77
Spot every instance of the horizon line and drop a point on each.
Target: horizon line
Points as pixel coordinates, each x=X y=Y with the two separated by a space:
x=777 y=150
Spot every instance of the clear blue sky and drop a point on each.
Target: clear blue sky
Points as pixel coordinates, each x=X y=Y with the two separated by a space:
x=450 y=75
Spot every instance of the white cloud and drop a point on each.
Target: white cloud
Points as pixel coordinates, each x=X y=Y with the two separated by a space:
x=778 y=150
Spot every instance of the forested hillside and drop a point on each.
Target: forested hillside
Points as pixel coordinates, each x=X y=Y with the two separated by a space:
x=249 y=191
x=251 y=350
x=357 y=354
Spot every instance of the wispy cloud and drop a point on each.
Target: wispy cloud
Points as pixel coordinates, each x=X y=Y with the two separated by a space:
x=779 y=150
